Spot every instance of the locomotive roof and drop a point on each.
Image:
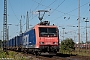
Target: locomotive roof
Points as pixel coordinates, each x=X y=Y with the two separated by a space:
x=41 y=26
x=46 y=26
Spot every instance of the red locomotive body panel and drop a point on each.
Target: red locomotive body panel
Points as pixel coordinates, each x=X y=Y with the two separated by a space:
x=46 y=39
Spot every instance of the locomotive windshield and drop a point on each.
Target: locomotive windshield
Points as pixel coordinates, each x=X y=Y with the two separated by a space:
x=44 y=32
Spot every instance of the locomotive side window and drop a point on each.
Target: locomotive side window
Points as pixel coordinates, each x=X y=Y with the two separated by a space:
x=44 y=32
x=34 y=31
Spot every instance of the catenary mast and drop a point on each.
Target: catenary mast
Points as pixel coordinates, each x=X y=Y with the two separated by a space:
x=5 y=26
x=27 y=21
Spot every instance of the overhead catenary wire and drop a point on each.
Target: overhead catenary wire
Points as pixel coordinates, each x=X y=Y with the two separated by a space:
x=72 y=10
x=53 y=9
x=13 y=10
x=15 y=15
x=38 y=6
x=35 y=7
x=70 y=14
x=43 y=5
x=57 y=6
x=32 y=12
x=64 y=12
x=60 y=11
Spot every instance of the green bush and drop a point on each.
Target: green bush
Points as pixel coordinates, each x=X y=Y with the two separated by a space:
x=67 y=45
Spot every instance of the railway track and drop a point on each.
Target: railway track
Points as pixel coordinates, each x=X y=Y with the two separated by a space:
x=59 y=56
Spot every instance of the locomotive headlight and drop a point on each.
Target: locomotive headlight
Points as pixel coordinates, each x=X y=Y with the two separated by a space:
x=41 y=42
x=54 y=42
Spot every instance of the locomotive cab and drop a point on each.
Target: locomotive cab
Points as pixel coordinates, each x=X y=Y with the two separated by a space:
x=47 y=38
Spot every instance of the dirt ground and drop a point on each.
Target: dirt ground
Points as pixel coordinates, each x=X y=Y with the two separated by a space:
x=63 y=57
x=59 y=56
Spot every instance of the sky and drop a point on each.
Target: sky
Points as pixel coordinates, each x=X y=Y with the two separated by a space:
x=63 y=13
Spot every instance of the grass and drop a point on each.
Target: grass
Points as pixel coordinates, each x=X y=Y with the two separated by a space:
x=14 y=55
x=80 y=52
x=19 y=56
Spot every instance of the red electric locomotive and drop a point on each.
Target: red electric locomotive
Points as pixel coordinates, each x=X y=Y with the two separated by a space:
x=47 y=37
